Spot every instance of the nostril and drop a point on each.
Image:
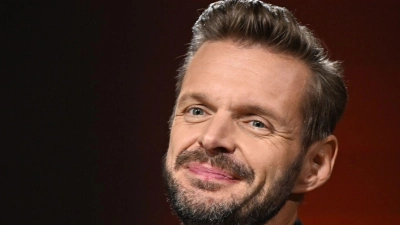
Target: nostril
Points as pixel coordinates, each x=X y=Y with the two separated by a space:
x=216 y=151
x=221 y=149
x=217 y=136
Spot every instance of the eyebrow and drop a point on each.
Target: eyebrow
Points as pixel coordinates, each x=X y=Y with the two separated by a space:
x=261 y=111
x=195 y=96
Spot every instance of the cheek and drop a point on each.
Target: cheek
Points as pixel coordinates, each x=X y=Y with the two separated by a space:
x=181 y=138
x=269 y=158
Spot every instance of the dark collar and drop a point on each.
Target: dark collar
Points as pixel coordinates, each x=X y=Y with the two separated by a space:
x=298 y=222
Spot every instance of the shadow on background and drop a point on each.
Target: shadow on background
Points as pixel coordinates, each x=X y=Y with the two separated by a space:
x=89 y=87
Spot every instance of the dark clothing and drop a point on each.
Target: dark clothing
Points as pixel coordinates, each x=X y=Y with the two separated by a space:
x=298 y=222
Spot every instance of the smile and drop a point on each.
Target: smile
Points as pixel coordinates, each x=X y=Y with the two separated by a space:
x=208 y=173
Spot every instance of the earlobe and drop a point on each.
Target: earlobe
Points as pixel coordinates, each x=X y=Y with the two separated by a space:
x=317 y=165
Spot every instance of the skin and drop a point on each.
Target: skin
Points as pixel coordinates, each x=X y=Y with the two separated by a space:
x=244 y=102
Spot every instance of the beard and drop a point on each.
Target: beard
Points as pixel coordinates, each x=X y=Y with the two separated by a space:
x=254 y=208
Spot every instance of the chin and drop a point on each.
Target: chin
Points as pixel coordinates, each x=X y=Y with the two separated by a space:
x=200 y=198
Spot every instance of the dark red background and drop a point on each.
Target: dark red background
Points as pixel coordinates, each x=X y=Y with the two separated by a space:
x=90 y=86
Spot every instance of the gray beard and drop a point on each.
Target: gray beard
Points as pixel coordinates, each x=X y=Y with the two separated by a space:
x=255 y=208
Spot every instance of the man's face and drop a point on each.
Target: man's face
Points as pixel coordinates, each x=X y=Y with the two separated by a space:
x=236 y=135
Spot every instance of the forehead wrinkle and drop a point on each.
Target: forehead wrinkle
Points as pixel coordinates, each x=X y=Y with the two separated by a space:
x=238 y=60
x=236 y=65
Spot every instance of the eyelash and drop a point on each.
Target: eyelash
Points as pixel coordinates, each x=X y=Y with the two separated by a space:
x=254 y=123
x=195 y=108
x=257 y=121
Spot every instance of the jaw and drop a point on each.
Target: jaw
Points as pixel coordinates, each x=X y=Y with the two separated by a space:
x=231 y=202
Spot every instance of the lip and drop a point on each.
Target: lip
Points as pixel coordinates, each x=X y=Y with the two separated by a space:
x=207 y=172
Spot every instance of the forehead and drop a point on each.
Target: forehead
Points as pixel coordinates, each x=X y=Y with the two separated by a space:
x=246 y=73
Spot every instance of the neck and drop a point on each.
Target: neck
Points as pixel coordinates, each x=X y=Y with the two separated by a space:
x=288 y=214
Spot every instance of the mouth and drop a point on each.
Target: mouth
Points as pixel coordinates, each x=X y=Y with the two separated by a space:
x=221 y=169
x=207 y=172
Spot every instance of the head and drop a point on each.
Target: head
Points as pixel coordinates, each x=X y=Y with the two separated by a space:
x=257 y=103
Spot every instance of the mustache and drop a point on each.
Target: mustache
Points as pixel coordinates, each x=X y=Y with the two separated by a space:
x=222 y=161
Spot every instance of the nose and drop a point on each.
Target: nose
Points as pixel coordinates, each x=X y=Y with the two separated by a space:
x=218 y=134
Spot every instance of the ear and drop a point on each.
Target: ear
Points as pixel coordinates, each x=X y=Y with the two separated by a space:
x=317 y=165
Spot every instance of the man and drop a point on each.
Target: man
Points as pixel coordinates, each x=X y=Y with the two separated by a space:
x=251 y=133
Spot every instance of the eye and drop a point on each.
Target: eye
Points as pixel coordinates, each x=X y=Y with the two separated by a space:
x=195 y=114
x=257 y=124
x=196 y=111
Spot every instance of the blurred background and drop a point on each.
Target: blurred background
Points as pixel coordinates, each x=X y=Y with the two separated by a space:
x=88 y=88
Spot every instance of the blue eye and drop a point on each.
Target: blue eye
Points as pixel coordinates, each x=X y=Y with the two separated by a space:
x=196 y=111
x=257 y=124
